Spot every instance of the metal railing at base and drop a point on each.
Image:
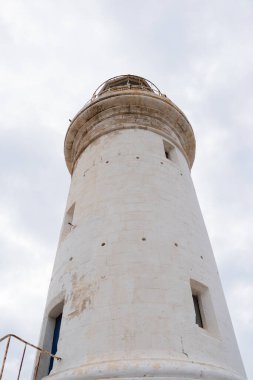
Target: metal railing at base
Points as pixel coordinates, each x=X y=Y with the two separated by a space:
x=40 y=350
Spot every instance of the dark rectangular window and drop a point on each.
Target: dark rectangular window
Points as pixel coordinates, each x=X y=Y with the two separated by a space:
x=198 y=317
x=168 y=150
x=167 y=154
x=56 y=335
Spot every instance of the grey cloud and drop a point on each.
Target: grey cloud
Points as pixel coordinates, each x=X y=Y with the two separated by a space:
x=54 y=55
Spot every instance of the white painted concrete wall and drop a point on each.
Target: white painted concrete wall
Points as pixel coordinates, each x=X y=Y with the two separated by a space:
x=126 y=268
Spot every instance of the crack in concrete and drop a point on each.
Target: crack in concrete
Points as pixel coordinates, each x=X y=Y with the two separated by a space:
x=183 y=351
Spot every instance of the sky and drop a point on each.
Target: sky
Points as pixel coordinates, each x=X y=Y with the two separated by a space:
x=54 y=54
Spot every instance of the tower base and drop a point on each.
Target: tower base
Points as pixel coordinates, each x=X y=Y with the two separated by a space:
x=148 y=369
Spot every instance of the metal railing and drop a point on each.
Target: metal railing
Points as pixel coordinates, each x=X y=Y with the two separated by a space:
x=140 y=83
x=144 y=85
x=40 y=350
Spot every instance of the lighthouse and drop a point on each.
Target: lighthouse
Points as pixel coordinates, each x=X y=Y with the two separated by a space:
x=135 y=292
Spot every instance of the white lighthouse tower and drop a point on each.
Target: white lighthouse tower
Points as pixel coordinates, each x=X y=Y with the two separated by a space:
x=135 y=291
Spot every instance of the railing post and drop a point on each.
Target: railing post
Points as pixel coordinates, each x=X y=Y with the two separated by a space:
x=5 y=356
x=20 y=367
x=37 y=367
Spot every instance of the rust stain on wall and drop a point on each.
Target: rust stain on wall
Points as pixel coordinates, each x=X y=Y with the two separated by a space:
x=82 y=295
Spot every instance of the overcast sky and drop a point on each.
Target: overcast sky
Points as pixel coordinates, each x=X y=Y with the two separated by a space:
x=54 y=53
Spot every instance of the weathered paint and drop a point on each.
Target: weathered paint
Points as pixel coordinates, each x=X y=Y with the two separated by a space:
x=135 y=252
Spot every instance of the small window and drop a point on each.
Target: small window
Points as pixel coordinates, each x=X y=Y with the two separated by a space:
x=169 y=150
x=68 y=221
x=199 y=293
x=198 y=317
x=203 y=311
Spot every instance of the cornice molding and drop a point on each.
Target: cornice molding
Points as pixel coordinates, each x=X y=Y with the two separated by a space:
x=128 y=109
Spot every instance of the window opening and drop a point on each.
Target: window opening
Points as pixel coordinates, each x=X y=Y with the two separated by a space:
x=168 y=150
x=204 y=311
x=55 y=340
x=68 y=221
x=198 y=317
